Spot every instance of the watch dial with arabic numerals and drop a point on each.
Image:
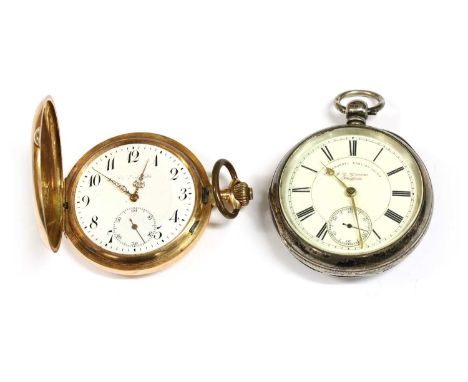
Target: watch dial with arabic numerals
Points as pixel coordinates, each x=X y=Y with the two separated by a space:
x=383 y=172
x=108 y=216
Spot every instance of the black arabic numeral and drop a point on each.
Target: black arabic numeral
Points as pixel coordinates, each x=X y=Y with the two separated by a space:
x=110 y=164
x=85 y=199
x=175 y=217
x=111 y=232
x=94 y=180
x=94 y=223
x=184 y=194
x=133 y=156
x=155 y=235
x=175 y=173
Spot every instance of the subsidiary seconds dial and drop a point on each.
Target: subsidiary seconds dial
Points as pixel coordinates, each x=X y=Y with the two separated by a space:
x=135 y=227
x=343 y=227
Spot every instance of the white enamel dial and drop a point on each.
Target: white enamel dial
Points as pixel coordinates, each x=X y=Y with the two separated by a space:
x=315 y=180
x=134 y=198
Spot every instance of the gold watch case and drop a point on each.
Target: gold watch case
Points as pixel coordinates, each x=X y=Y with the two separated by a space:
x=57 y=214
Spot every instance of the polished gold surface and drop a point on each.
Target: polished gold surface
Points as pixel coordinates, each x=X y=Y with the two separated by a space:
x=55 y=197
x=151 y=261
x=237 y=195
x=48 y=173
x=242 y=193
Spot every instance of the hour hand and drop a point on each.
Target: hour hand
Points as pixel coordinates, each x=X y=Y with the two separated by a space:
x=331 y=172
x=119 y=186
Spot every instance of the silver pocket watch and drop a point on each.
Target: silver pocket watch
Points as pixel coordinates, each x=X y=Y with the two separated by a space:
x=351 y=200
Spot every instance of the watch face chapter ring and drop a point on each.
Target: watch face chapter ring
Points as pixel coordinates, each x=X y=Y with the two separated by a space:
x=151 y=261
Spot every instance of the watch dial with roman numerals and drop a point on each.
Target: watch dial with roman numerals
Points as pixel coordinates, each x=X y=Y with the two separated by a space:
x=317 y=178
x=134 y=198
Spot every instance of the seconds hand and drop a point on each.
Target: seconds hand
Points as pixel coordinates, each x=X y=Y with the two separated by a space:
x=135 y=228
x=351 y=226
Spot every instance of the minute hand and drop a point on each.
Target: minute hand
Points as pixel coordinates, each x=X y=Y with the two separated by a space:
x=351 y=192
x=121 y=187
x=357 y=221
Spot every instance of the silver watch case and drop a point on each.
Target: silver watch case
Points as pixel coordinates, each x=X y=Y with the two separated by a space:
x=346 y=265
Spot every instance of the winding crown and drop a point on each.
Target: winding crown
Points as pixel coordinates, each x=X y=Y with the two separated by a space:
x=243 y=193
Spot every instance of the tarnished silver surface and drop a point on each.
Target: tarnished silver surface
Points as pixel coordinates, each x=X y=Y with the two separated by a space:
x=349 y=265
x=380 y=102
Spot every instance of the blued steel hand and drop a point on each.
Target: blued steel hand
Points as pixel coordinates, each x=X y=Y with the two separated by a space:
x=121 y=187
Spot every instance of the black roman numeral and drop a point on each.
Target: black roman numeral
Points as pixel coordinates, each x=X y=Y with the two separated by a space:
x=323 y=232
x=301 y=189
x=378 y=154
x=376 y=234
x=304 y=214
x=308 y=168
x=327 y=153
x=394 y=171
x=394 y=216
x=401 y=193
x=352 y=147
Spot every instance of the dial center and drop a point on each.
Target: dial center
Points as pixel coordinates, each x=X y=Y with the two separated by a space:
x=364 y=180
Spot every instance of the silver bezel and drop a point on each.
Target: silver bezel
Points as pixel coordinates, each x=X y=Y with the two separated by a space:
x=346 y=265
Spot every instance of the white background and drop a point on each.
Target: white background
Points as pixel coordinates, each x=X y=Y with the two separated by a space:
x=243 y=80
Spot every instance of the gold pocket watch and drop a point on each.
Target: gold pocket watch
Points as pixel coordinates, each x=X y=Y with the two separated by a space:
x=351 y=200
x=131 y=204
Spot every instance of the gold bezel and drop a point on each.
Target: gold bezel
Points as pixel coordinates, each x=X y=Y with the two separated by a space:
x=48 y=173
x=150 y=261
